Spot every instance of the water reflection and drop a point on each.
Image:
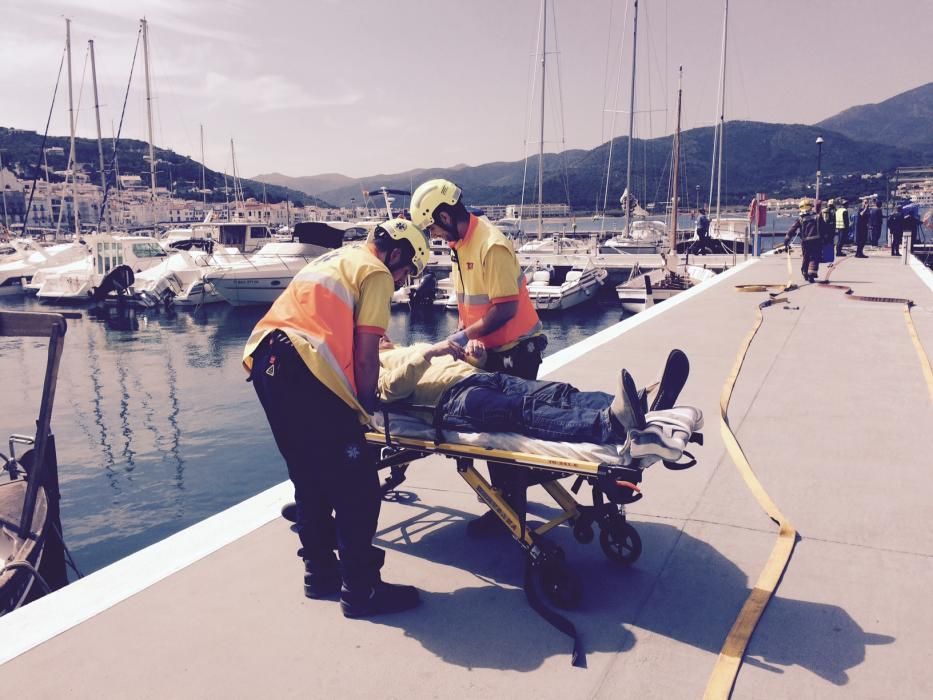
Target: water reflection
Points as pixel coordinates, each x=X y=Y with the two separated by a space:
x=155 y=424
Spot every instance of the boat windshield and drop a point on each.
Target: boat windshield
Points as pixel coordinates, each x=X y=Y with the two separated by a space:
x=148 y=249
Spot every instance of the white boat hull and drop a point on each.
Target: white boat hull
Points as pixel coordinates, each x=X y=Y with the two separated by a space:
x=569 y=294
x=635 y=301
x=634 y=296
x=251 y=291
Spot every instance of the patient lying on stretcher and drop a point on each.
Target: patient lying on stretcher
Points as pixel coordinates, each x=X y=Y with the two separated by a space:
x=469 y=399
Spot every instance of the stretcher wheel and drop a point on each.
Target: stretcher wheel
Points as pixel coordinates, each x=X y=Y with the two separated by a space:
x=583 y=532
x=561 y=586
x=621 y=543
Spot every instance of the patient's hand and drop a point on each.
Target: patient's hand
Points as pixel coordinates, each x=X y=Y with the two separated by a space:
x=445 y=347
x=476 y=353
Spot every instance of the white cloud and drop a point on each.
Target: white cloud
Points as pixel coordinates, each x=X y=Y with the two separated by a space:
x=269 y=93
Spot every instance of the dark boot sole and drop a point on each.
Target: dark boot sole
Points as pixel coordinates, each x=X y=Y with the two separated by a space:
x=673 y=379
x=631 y=394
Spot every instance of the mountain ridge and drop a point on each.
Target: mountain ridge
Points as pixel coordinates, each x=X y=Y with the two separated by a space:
x=902 y=120
x=22 y=151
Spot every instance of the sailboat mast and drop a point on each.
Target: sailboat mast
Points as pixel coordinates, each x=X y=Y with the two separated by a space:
x=71 y=120
x=203 y=179
x=722 y=109
x=100 y=140
x=236 y=181
x=631 y=131
x=716 y=160
x=676 y=164
x=152 y=161
x=541 y=143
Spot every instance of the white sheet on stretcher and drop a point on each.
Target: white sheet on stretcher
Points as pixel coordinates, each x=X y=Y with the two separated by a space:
x=405 y=425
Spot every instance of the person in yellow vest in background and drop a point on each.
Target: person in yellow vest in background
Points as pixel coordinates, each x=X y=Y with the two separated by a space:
x=314 y=363
x=494 y=308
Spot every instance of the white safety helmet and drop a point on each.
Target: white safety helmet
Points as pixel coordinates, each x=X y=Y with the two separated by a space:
x=428 y=196
x=405 y=230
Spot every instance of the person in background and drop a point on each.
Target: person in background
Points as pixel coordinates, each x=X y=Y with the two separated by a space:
x=911 y=225
x=313 y=360
x=896 y=229
x=811 y=244
x=827 y=226
x=861 y=230
x=703 y=244
x=494 y=307
x=875 y=221
x=842 y=226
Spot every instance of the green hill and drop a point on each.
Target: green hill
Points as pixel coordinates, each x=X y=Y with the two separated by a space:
x=22 y=155
x=903 y=120
x=778 y=159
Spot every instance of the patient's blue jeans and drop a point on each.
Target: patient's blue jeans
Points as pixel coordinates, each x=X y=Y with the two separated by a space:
x=495 y=402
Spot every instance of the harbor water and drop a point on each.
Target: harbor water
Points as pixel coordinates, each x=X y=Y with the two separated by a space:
x=155 y=425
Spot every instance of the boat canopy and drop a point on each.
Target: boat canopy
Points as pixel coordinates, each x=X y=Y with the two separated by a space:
x=319 y=233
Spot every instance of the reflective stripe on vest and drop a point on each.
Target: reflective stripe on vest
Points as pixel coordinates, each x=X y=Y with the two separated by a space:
x=319 y=307
x=841 y=217
x=473 y=300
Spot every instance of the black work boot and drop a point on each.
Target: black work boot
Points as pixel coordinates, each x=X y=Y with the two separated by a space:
x=322 y=575
x=380 y=598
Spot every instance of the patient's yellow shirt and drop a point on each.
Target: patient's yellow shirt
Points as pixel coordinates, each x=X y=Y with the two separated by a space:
x=405 y=374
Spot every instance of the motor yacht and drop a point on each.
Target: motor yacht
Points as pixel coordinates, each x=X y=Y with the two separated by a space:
x=260 y=278
x=16 y=274
x=579 y=285
x=178 y=280
x=76 y=282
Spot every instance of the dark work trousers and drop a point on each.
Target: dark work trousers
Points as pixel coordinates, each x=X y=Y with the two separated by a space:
x=842 y=237
x=897 y=237
x=521 y=361
x=329 y=463
x=498 y=402
x=812 y=254
x=861 y=237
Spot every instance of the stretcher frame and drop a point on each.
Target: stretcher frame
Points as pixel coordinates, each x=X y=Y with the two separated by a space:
x=613 y=487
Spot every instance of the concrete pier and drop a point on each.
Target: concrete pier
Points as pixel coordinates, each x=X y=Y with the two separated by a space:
x=833 y=411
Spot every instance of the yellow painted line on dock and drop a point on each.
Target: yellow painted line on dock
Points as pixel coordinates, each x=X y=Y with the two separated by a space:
x=921 y=353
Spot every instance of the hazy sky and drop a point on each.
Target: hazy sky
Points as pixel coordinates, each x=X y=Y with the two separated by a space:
x=363 y=87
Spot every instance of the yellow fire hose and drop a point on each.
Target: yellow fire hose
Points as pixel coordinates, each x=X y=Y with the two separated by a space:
x=722 y=678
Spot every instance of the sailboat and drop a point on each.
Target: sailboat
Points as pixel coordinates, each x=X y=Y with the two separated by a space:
x=582 y=282
x=642 y=291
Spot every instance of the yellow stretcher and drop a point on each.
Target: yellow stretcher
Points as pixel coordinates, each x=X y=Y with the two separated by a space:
x=614 y=484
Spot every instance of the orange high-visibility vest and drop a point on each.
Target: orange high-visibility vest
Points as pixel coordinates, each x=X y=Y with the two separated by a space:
x=473 y=282
x=321 y=309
